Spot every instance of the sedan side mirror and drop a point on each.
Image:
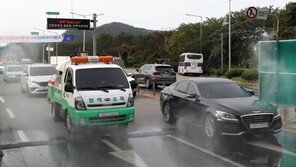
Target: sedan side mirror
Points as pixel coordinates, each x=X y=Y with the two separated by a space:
x=25 y=74
x=129 y=74
x=133 y=84
x=69 y=88
x=193 y=96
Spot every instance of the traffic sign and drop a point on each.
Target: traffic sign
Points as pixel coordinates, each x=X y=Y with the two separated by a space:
x=49 y=48
x=34 y=33
x=262 y=13
x=251 y=13
x=62 y=23
x=68 y=38
x=53 y=13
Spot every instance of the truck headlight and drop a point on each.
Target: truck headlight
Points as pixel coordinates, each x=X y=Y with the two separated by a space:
x=277 y=113
x=79 y=104
x=130 y=101
x=226 y=116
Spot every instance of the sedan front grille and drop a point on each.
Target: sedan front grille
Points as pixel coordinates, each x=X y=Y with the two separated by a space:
x=247 y=120
x=44 y=84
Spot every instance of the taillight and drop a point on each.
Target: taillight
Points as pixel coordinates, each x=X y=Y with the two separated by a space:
x=156 y=73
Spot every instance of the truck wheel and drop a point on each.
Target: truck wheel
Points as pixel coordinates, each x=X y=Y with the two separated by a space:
x=55 y=112
x=122 y=126
x=70 y=127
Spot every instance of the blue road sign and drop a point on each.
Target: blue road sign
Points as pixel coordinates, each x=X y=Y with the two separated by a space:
x=68 y=38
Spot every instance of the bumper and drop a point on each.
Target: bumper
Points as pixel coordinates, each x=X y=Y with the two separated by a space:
x=38 y=90
x=160 y=81
x=86 y=118
x=237 y=128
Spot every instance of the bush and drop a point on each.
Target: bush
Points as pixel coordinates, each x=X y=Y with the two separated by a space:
x=235 y=72
x=250 y=75
x=220 y=72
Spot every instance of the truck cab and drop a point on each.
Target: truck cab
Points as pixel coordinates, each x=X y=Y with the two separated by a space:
x=91 y=93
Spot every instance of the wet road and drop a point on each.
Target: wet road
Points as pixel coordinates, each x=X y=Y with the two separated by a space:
x=29 y=137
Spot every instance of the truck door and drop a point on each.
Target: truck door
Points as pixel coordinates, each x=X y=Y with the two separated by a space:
x=68 y=78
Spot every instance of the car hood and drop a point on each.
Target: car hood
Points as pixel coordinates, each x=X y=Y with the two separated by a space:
x=45 y=78
x=241 y=106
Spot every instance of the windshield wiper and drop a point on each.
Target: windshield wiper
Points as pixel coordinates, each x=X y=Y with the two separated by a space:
x=112 y=87
x=94 y=88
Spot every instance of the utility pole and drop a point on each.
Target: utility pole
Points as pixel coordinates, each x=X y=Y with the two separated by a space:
x=222 y=51
x=94 y=35
x=201 y=23
x=229 y=40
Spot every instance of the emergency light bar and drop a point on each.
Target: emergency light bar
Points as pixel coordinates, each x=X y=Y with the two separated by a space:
x=93 y=59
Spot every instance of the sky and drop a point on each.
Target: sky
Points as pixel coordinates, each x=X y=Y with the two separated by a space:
x=19 y=17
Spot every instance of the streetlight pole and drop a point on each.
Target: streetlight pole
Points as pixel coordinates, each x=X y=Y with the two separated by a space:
x=56 y=47
x=42 y=43
x=222 y=51
x=229 y=40
x=84 y=16
x=201 y=23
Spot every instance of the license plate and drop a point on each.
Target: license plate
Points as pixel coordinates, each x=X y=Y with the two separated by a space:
x=259 y=125
x=108 y=114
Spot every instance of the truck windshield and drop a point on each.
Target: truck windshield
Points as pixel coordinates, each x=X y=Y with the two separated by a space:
x=101 y=78
x=39 y=71
x=194 y=56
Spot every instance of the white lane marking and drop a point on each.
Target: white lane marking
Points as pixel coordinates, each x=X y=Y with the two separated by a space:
x=10 y=113
x=271 y=147
x=207 y=151
x=22 y=136
x=129 y=156
x=2 y=100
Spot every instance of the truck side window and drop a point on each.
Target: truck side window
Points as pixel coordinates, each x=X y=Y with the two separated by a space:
x=69 y=76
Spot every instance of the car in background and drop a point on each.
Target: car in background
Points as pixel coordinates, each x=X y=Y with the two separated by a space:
x=12 y=73
x=2 y=68
x=219 y=106
x=35 y=77
x=158 y=73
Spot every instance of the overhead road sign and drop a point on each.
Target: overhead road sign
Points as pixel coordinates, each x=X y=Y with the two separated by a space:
x=53 y=13
x=62 y=23
x=251 y=13
x=31 y=39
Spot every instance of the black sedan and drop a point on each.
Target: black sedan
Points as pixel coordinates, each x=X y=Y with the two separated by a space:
x=219 y=106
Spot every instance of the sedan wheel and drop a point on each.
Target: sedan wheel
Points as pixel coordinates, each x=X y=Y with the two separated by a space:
x=209 y=126
x=167 y=114
x=147 y=83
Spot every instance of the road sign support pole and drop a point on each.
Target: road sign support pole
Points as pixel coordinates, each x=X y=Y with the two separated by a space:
x=222 y=52
x=229 y=40
x=94 y=35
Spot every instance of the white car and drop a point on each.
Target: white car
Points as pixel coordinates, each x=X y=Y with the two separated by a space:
x=12 y=73
x=35 y=77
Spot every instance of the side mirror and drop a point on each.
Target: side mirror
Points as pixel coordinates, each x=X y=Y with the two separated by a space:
x=69 y=88
x=137 y=70
x=129 y=74
x=133 y=84
x=25 y=74
x=194 y=96
x=251 y=91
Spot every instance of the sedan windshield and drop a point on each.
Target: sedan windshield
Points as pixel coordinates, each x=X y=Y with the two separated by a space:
x=101 y=78
x=39 y=71
x=222 y=90
x=15 y=68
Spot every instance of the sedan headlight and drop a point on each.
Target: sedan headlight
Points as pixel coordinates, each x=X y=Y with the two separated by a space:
x=130 y=101
x=79 y=104
x=277 y=113
x=226 y=116
x=34 y=83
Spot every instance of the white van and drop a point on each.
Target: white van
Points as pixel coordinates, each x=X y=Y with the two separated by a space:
x=190 y=63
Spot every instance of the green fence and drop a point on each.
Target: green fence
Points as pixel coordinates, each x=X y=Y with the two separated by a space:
x=277 y=75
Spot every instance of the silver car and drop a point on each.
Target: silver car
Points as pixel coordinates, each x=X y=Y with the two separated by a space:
x=12 y=73
x=35 y=78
